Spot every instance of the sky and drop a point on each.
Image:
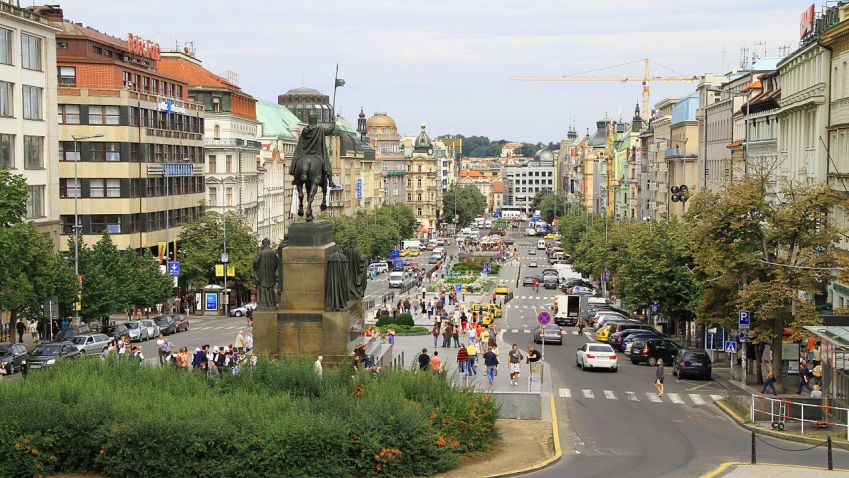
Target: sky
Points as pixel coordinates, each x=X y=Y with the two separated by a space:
x=448 y=63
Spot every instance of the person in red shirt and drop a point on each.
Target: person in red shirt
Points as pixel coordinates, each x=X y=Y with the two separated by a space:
x=462 y=358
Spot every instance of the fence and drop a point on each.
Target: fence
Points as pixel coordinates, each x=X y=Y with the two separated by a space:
x=779 y=411
x=827 y=443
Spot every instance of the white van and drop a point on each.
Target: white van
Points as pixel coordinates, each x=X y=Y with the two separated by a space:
x=530 y=231
x=396 y=279
x=541 y=244
x=411 y=244
x=439 y=251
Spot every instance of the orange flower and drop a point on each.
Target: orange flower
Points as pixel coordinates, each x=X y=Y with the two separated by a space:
x=359 y=391
x=26 y=440
x=34 y=451
x=17 y=445
x=441 y=442
x=455 y=444
x=377 y=467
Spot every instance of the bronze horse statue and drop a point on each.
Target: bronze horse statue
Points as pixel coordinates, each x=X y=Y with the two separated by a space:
x=309 y=172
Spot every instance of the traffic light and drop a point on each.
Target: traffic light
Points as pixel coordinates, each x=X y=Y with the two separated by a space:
x=679 y=193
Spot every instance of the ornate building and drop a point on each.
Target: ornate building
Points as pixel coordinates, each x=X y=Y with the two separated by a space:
x=392 y=166
x=422 y=182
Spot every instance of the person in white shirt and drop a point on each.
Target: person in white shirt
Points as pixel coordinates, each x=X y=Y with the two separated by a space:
x=249 y=342
x=317 y=366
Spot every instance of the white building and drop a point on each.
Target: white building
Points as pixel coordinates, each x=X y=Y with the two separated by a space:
x=28 y=127
x=523 y=183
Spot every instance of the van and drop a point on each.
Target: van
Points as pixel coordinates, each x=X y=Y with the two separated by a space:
x=396 y=279
x=439 y=251
x=530 y=231
x=411 y=244
x=541 y=244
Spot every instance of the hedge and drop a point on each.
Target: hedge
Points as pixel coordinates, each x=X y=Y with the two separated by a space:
x=405 y=329
x=400 y=319
x=279 y=419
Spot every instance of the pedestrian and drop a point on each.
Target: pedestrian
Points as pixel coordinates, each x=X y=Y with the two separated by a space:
x=446 y=335
x=456 y=335
x=817 y=373
x=462 y=358
x=160 y=345
x=436 y=362
x=533 y=354
x=21 y=327
x=484 y=335
x=137 y=355
x=515 y=357
x=472 y=351
x=769 y=378
x=659 y=373
x=435 y=331
x=122 y=347
x=804 y=378
x=317 y=366
x=490 y=360
x=240 y=341
x=424 y=360
x=33 y=330
x=390 y=336
x=249 y=341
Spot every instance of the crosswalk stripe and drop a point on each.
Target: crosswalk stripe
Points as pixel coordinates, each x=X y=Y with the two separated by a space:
x=697 y=399
x=608 y=394
x=632 y=396
x=574 y=332
x=653 y=397
x=676 y=398
x=716 y=397
x=588 y=335
x=526 y=331
x=588 y=393
x=515 y=331
x=565 y=393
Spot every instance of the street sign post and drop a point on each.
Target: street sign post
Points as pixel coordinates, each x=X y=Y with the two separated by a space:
x=174 y=268
x=487 y=266
x=544 y=318
x=459 y=288
x=730 y=347
x=744 y=321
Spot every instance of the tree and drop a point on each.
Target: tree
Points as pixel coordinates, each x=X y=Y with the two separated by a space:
x=375 y=232
x=147 y=285
x=202 y=242
x=466 y=200
x=552 y=206
x=13 y=197
x=572 y=227
x=526 y=150
x=764 y=246
x=105 y=275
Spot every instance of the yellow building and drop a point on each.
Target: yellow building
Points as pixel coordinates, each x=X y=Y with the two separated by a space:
x=422 y=181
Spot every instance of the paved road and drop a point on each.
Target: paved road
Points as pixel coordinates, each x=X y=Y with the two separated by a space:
x=613 y=424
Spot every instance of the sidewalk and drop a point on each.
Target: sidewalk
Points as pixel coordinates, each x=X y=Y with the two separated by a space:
x=739 y=470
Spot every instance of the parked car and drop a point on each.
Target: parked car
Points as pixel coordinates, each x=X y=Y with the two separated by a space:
x=115 y=331
x=550 y=281
x=166 y=324
x=693 y=363
x=433 y=259
x=136 y=331
x=243 y=310
x=626 y=337
x=602 y=318
x=181 y=323
x=47 y=354
x=12 y=357
x=152 y=328
x=592 y=356
x=528 y=281
x=532 y=252
x=91 y=343
x=551 y=334
x=622 y=325
x=653 y=350
x=72 y=331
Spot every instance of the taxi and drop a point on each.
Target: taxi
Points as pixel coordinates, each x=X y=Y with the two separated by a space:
x=502 y=290
x=602 y=334
x=552 y=236
x=486 y=319
x=482 y=309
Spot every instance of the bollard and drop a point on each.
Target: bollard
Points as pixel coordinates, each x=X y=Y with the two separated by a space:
x=754 y=454
x=830 y=461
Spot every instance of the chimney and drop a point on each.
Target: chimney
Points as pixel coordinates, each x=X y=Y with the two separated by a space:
x=52 y=13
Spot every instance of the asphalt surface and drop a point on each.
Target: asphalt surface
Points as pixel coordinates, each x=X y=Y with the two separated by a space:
x=613 y=424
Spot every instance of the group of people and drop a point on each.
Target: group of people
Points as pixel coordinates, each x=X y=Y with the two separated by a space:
x=469 y=354
x=809 y=378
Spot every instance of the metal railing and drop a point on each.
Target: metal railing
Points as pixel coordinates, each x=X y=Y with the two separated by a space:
x=779 y=411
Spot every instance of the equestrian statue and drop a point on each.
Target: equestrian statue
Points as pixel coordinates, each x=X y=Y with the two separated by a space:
x=311 y=166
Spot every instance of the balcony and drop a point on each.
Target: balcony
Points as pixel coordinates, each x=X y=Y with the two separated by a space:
x=232 y=143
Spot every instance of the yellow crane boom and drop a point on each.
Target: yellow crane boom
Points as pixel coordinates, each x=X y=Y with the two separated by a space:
x=645 y=80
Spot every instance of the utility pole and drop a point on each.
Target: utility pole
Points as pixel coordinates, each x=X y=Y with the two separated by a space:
x=77 y=191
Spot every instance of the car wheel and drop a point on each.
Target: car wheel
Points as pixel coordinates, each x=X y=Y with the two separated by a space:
x=633 y=361
x=614 y=369
x=237 y=313
x=707 y=376
x=652 y=361
x=82 y=352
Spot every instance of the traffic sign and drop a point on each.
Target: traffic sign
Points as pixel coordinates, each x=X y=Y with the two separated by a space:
x=605 y=276
x=744 y=317
x=487 y=267
x=458 y=287
x=544 y=318
x=395 y=253
x=744 y=335
x=174 y=268
x=730 y=347
x=654 y=307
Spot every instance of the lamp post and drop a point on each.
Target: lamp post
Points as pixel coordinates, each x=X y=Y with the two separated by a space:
x=77 y=191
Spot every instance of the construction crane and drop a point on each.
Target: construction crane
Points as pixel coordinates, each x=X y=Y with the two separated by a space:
x=645 y=80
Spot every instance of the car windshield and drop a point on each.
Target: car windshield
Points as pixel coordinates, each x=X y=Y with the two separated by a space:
x=132 y=325
x=161 y=321
x=599 y=348
x=79 y=340
x=46 y=350
x=5 y=350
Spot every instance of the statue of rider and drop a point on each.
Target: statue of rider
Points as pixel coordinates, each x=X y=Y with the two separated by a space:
x=312 y=142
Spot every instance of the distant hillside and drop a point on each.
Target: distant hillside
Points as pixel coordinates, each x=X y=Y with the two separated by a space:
x=482 y=147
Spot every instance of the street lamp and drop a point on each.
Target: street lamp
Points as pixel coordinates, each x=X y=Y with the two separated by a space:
x=77 y=191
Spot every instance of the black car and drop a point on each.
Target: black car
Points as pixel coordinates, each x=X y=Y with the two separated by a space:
x=12 y=357
x=166 y=324
x=654 y=349
x=692 y=362
x=617 y=339
x=115 y=331
x=509 y=242
x=550 y=281
x=47 y=354
x=72 y=331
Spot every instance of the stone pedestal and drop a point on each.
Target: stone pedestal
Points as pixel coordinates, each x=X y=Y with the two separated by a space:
x=300 y=325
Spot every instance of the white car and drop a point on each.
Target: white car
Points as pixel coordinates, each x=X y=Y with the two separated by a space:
x=136 y=331
x=532 y=264
x=91 y=343
x=243 y=310
x=591 y=356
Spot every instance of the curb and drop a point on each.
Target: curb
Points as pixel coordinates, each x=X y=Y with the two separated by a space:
x=558 y=451
x=774 y=434
x=721 y=469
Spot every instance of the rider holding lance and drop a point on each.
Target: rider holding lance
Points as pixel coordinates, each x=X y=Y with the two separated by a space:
x=312 y=143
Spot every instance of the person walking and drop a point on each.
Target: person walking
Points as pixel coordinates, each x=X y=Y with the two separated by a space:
x=319 y=370
x=490 y=360
x=472 y=352
x=424 y=360
x=160 y=344
x=462 y=358
x=21 y=327
x=33 y=330
x=769 y=378
x=240 y=341
x=436 y=362
x=659 y=373
x=447 y=331
x=804 y=378
x=249 y=341
x=514 y=357
x=456 y=335
x=435 y=331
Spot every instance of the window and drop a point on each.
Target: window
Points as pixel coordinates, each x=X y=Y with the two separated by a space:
x=216 y=132
x=32 y=102
x=128 y=79
x=228 y=163
x=33 y=152
x=61 y=45
x=5 y=46
x=69 y=188
x=6 y=98
x=35 y=201
x=103 y=114
x=67 y=76
x=229 y=197
x=30 y=52
x=213 y=196
x=113 y=188
x=105 y=151
x=96 y=188
x=69 y=114
x=216 y=107
x=146 y=83
x=212 y=164
x=7 y=150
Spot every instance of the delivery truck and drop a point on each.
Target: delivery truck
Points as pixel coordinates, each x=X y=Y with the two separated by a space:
x=567 y=309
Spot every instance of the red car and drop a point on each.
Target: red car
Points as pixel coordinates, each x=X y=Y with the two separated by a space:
x=181 y=323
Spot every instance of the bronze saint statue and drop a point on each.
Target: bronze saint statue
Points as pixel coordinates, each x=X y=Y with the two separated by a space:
x=266 y=264
x=311 y=165
x=336 y=281
x=357 y=271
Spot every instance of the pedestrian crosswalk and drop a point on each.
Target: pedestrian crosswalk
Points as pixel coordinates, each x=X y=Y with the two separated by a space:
x=565 y=332
x=231 y=327
x=675 y=398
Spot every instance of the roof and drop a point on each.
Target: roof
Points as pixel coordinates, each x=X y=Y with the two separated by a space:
x=71 y=28
x=471 y=174
x=498 y=187
x=380 y=120
x=735 y=144
x=274 y=119
x=190 y=70
x=766 y=63
x=304 y=91
x=836 y=335
x=344 y=125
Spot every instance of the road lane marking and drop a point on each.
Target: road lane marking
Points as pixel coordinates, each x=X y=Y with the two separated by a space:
x=565 y=393
x=697 y=399
x=588 y=393
x=716 y=397
x=676 y=398
x=589 y=336
x=526 y=331
x=632 y=396
x=574 y=332
x=608 y=394
x=653 y=397
x=515 y=331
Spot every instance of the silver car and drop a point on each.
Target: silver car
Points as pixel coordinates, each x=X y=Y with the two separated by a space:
x=136 y=331
x=152 y=328
x=91 y=343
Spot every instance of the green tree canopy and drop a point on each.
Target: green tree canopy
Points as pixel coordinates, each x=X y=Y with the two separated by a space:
x=13 y=197
x=202 y=243
x=466 y=200
x=376 y=232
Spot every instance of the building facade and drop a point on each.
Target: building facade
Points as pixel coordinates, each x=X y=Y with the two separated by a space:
x=522 y=183
x=135 y=169
x=383 y=135
x=423 y=182
x=682 y=154
x=28 y=133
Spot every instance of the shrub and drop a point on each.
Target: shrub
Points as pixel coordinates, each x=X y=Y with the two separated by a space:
x=405 y=329
x=400 y=319
x=277 y=419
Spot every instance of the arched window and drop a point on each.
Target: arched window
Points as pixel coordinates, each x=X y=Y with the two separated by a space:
x=420 y=168
x=216 y=132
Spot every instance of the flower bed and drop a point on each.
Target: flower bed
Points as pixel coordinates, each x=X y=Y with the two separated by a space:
x=279 y=419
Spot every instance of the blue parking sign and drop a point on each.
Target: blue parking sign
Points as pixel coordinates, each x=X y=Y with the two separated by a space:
x=458 y=288
x=744 y=317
